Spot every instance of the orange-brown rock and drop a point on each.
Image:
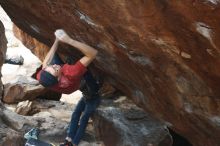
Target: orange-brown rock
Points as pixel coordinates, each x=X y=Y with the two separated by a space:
x=37 y=48
x=164 y=54
x=24 y=88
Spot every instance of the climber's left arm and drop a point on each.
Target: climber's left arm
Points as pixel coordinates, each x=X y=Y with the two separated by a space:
x=51 y=53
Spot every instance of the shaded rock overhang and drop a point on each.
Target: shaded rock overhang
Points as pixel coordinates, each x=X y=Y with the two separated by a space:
x=164 y=54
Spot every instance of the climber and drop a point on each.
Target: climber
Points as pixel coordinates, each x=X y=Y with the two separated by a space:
x=67 y=78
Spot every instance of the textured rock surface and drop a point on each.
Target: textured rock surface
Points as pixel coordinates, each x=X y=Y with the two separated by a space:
x=4 y=130
x=50 y=119
x=125 y=124
x=20 y=89
x=23 y=88
x=6 y=133
x=3 y=47
x=37 y=48
x=164 y=53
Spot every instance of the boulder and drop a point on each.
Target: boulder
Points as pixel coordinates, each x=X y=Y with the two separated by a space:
x=25 y=108
x=51 y=119
x=163 y=54
x=3 y=47
x=20 y=89
x=122 y=123
x=8 y=136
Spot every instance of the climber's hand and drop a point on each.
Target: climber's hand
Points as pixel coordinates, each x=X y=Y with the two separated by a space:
x=62 y=35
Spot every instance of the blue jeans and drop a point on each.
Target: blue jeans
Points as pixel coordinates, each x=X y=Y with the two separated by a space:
x=88 y=107
x=85 y=107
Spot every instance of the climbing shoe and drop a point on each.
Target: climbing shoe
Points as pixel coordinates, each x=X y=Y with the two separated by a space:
x=66 y=143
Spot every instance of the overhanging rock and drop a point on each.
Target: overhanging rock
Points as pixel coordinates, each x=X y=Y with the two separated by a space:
x=163 y=54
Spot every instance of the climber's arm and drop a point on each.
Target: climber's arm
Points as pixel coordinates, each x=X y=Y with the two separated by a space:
x=89 y=52
x=51 y=53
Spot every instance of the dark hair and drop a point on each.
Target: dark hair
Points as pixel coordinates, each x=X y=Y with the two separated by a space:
x=47 y=79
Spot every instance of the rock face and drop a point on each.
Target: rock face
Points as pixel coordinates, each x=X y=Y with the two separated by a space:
x=51 y=119
x=3 y=47
x=22 y=88
x=124 y=124
x=164 y=54
x=37 y=48
x=6 y=133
